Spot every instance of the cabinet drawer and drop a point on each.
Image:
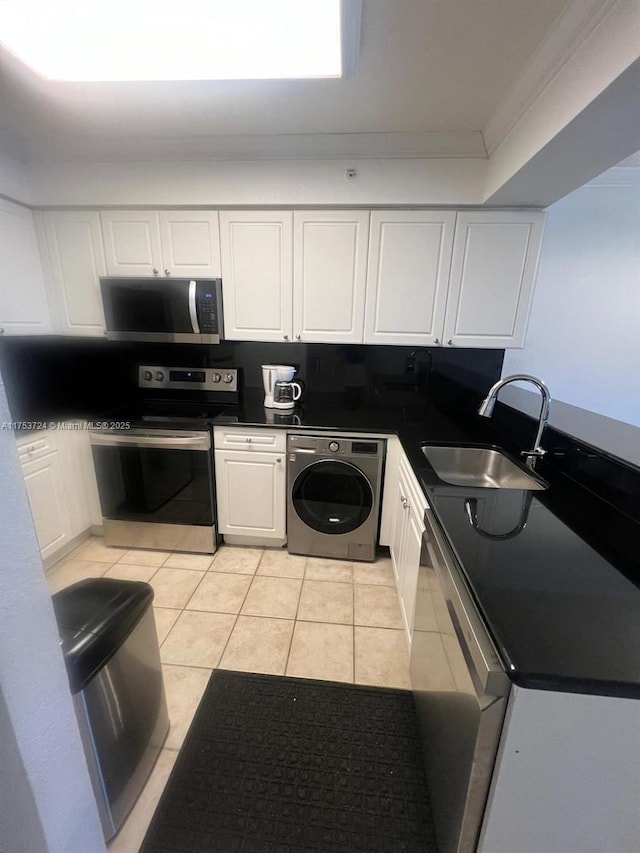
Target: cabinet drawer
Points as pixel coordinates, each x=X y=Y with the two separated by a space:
x=226 y=438
x=36 y=445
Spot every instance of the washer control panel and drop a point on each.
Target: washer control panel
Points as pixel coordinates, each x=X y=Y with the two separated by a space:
x=191 y=378
x=316 y=445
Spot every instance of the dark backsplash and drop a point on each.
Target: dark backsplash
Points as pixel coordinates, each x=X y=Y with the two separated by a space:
x=53 y=377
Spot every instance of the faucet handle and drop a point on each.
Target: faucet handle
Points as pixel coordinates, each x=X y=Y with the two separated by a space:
x=530 y=456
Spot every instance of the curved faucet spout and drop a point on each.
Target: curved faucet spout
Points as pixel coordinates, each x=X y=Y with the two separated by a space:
x=488 y=404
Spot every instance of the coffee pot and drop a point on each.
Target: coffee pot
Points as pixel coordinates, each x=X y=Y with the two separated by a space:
x=271 y=373
x=286 y=394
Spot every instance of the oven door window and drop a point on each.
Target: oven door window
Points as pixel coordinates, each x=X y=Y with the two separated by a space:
x=148 y=307
x=155 y=484
x=332 y=497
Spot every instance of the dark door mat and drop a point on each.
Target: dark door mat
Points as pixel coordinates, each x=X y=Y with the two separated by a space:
x=286 y=765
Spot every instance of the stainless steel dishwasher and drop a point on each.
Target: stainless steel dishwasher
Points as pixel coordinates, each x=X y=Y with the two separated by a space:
x=460 y=689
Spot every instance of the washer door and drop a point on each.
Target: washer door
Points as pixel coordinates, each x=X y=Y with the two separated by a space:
x=332 y=497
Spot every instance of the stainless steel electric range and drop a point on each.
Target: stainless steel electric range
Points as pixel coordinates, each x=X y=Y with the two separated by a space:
x=154 y=460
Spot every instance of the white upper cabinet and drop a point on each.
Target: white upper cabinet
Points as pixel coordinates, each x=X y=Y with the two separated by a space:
x=190 y=243
x=182 y=243
x=408 y=276
x=495 y=256
x=24 y=307
x=329 y=275
x=74 y=257
x=131 y=242
x=257 y=274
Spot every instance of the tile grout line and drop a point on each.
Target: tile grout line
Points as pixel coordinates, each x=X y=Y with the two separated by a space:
x=295 y=618
x=353 y=610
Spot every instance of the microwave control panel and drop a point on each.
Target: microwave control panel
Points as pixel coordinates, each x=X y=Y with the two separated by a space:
x=209 y=308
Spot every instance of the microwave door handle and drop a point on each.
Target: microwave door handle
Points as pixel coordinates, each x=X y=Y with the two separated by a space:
x=193 y=312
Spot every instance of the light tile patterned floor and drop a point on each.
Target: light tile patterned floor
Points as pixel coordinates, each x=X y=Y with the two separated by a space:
x=251 y=609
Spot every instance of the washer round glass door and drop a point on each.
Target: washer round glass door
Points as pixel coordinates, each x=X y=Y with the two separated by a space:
x=332 y=496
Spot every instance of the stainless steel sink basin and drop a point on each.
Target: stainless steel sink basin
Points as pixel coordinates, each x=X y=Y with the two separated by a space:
x=479 y=467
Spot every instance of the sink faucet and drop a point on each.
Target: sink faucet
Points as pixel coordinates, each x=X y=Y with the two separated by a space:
x=488 y=404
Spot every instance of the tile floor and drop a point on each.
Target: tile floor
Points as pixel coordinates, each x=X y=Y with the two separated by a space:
x=251 y=609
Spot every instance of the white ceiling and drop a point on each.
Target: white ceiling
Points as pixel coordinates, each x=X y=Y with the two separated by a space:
x=431 y=74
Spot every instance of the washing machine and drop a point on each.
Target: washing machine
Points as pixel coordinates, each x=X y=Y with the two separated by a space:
x=333 y=495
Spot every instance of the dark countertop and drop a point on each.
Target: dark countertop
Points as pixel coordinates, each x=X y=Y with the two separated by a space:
x=563 y=614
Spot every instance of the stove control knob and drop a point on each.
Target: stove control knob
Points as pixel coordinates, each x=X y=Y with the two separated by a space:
x=216 y=377
x=228 y=377
x=159 y=376
x=334 y=446
x=147 y=376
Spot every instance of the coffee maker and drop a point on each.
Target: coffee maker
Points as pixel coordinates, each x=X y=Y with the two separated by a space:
x=272 y=373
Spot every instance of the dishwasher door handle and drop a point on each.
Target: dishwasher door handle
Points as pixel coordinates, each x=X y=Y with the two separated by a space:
x=486 y=670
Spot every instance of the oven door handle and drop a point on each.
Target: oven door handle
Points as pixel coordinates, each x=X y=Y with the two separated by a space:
x=193 y=311
x=191 y=442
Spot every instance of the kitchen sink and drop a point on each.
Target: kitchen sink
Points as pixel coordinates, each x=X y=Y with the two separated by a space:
x=480 y=467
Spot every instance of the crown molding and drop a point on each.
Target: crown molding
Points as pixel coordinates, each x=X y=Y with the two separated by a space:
x=573 y=27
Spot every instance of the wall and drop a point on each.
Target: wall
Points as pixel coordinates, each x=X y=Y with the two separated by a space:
x=54 y=798
x=216 y=183
x=15 y=180
x=583 y=337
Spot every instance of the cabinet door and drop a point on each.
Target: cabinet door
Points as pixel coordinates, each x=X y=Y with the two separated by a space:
x=495 y=257
x=330 y=268
x=45 y=488
x=24 y=307
x=389 y=490
x=408 y=276
x=72 y=243
x=257 y=274
x=251 y=493
x=79 y=478
x=399 y=529
x=410 y=561
x=190 y=241
x=131 y=242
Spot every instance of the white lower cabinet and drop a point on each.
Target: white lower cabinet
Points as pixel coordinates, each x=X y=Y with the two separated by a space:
x=251 y=485
x=61 y=486
x=45 y=488
x=406 y=540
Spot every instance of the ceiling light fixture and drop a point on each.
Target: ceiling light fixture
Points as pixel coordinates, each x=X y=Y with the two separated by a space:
x=127 y=40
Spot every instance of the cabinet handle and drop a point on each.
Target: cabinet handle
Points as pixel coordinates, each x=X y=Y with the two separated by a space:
x=297 y=337
x=248 y=440
x=437 y=341
x=286 y=337
x=167 y=272
x=450 y=342
x=155 y=271
x=278 y=461
x=405 y=502
x=1 y=331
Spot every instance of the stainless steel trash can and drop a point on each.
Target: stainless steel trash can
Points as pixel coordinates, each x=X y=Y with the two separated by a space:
x=108 y=638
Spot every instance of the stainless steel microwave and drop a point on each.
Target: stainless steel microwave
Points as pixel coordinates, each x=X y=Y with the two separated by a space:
x=175 y=310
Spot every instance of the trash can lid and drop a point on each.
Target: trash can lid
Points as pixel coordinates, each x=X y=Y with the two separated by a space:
x=95 y=616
